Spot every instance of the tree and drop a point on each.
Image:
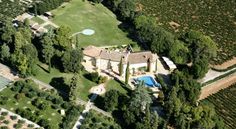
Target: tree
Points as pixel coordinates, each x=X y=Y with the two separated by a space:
x=145 y=27
x=71 y=60
x=127 y=9
x=73 y=88
x=5 y=53
x=121 y=67
x=162 y=41
x=200 y=68
x=62 y=38
x=140 y=99
x=111 y=100
x=19 y=41
x=179 y=53
x=7 y=31
x=48 y=50
x=200 y=45
x=31 y=54
x=127 y=74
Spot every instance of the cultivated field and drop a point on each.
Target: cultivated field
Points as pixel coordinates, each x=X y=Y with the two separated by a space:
x=225 y=104
x=215 y=18
x=80 y=15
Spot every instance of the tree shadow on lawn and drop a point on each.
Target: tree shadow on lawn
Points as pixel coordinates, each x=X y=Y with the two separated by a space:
x=59 y=84
x=129 y=28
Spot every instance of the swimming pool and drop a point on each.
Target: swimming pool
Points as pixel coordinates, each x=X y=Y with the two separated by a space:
x=148 y=81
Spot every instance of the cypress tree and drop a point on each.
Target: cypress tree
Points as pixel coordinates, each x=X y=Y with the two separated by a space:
x=127 y=74
x=121 y=67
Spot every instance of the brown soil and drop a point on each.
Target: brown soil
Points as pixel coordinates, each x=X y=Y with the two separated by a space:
x=217 y=86
x=226 y=64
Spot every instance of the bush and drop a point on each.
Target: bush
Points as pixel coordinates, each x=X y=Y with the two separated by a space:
x=21 y=121
x=19 y=96
x=6 y=122
x=3 y=100
x=66 y=105
x=31 y=94
x=43 y=94
x=102 y=79
x=2 y=117
x=16 y=88
x=94 y=76
x=30 y=125
x=43 y=106
x=58 y=101
x=3 y=127
x=43 y=123
x=13 y=117
x=50 y=98
x=55 y=106
x=4 y=113
x=17 y=126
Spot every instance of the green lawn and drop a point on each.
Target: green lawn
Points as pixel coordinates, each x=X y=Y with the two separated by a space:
x=12 y=104
x=80 y=15
x=83 y=86
x=114 y=85
x=38 y=20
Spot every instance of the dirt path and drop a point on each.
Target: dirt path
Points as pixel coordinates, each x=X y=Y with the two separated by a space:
x=226 y=64
x=217 y=86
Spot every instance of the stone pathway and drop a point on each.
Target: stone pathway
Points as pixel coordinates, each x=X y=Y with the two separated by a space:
x=98 y=90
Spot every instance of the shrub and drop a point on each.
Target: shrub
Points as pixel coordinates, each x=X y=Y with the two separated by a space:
x=2 y=117
x=3 y=127
x=21 y=121
x=17 y=126
x=43 y=106
x=43 y=123
x=4 y=113
x=102 y=79
x=31 y=94
x=19 y=96
x=30 y=125
x=55 y=106
x=13 y=117
x=16 y=88
x=3 y=100
x=37 y=102
x=50 y=98
x=6 y=122
x=66 y=105
x=57 y=101
x=94 y=76
x=43 y=94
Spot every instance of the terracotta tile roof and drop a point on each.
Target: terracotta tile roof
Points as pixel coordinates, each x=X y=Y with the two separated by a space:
x=132 y=58
x=140 y=57
x=112 y=55
x=92 y=51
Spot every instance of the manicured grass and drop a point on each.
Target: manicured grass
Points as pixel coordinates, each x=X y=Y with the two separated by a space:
x=83 y=85
x=80 y=15
x=12 y=104
x=114 y=85
x=215 y=18
x=38 y=20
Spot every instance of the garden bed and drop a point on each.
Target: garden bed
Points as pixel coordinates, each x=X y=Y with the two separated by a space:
x=41 y=107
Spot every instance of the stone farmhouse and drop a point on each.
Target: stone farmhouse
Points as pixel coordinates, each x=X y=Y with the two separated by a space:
x=102 y=59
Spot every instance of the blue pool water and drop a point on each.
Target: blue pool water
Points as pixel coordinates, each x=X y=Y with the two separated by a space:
x=149 y=81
